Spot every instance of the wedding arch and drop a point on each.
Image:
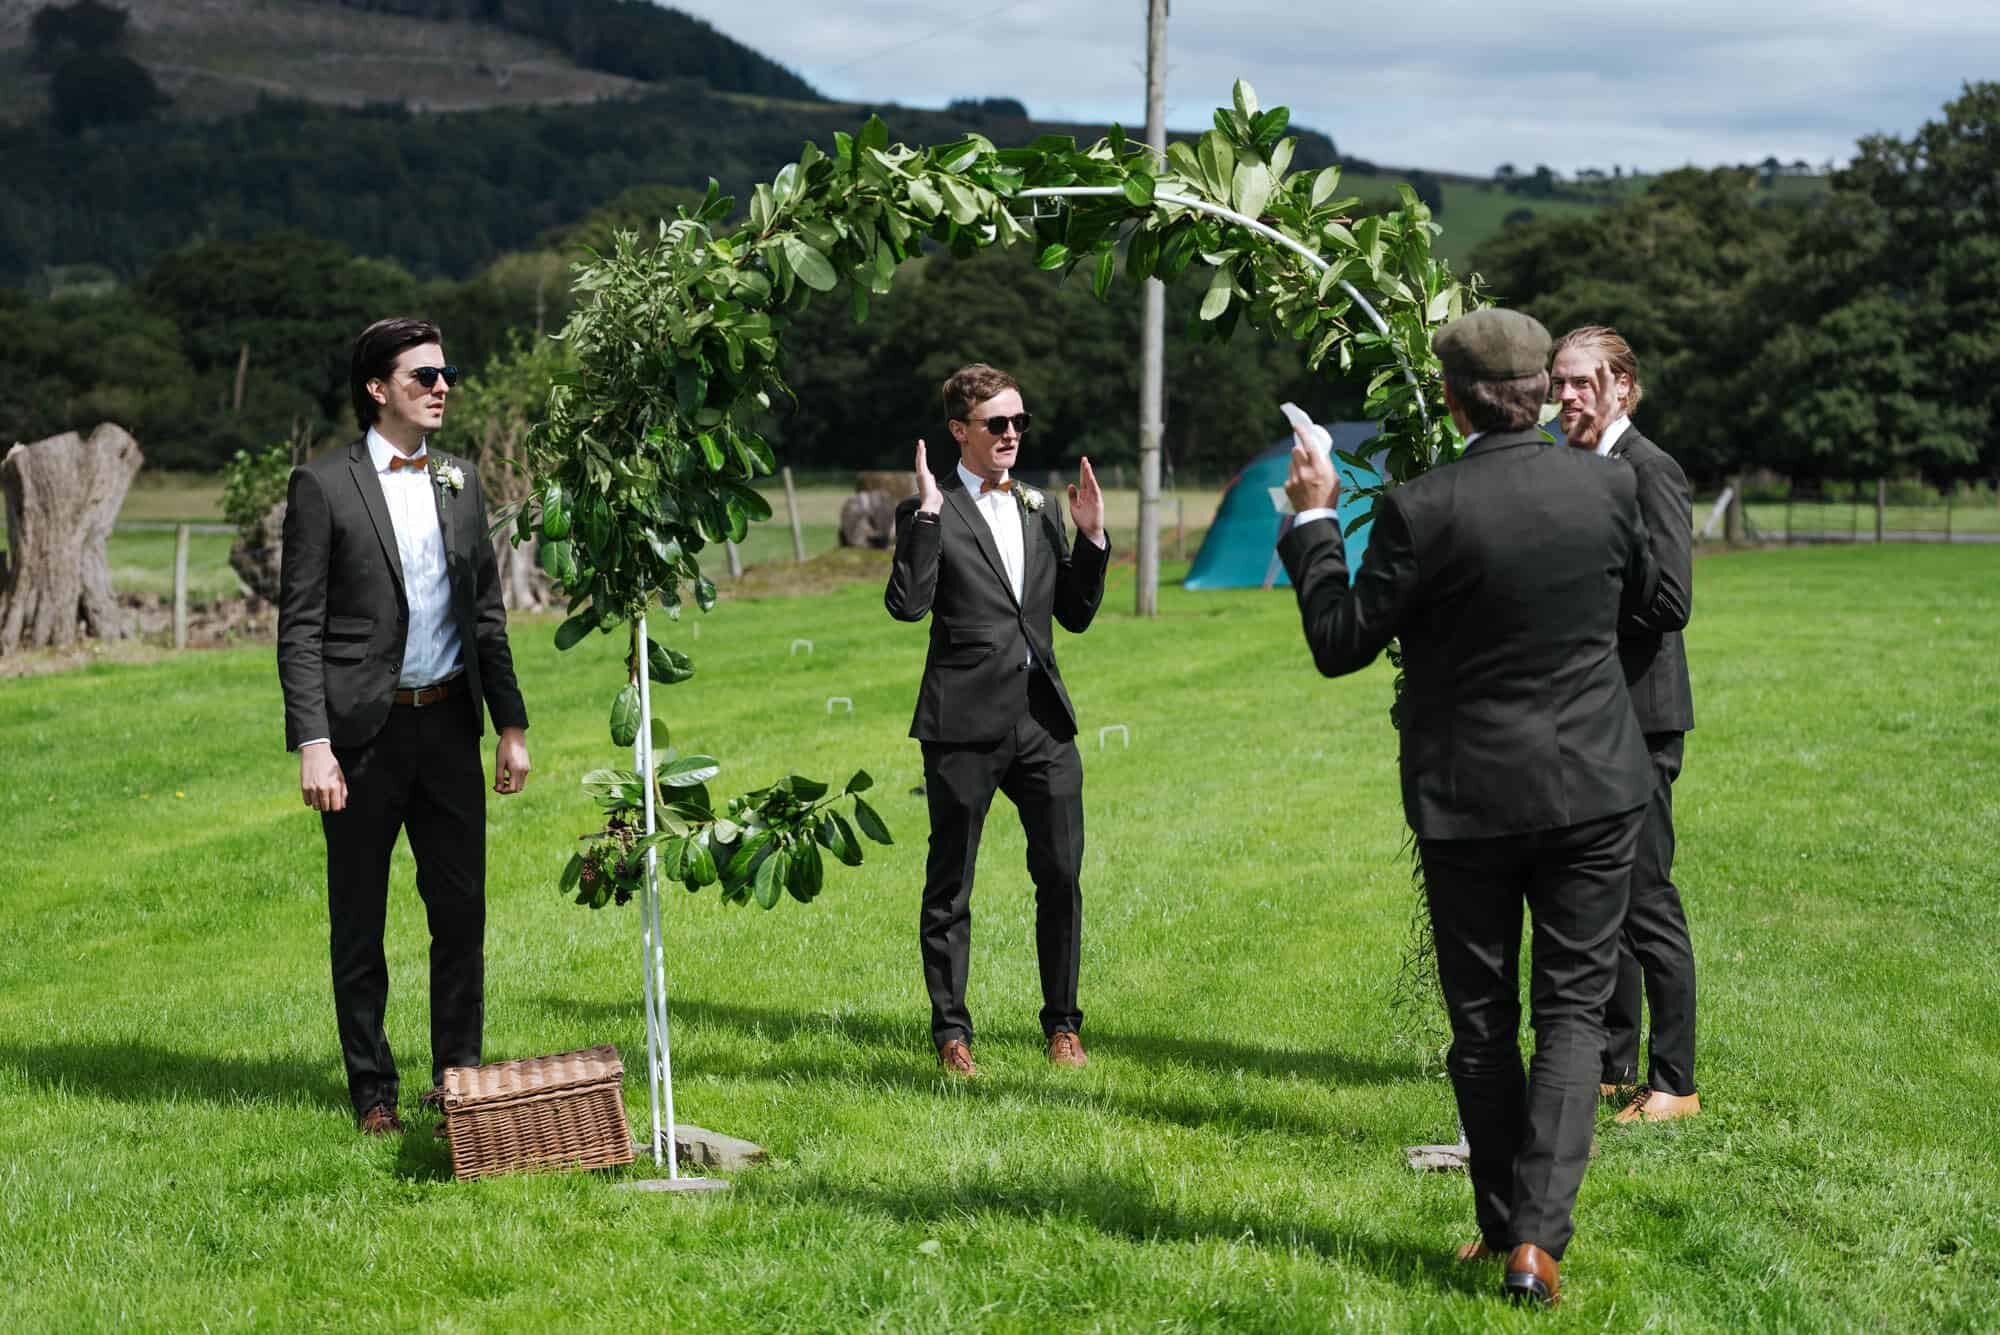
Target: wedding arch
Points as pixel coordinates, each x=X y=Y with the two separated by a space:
x=649 y=447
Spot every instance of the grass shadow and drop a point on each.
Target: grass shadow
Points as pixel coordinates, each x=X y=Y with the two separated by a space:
x=875 y=1049
x=1133 y=1211
x=140 y=1072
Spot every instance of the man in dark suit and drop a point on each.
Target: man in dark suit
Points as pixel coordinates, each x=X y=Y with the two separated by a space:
x=987 y=556
x=392 y=646
x=1524 y=772
x=1595 y=378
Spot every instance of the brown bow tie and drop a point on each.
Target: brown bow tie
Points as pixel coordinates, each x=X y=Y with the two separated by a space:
x=408 y=460
x=990 y=485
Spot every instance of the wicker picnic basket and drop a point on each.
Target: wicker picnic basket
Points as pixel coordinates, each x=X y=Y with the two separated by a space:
x=563 y=1111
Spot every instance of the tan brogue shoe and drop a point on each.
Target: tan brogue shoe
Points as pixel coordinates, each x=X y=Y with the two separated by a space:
x=381 y=1120
x=1066 y=1049
x=955 y=1056
x=1477 y=1250
x=1656 y=1105
x=1531 y=1276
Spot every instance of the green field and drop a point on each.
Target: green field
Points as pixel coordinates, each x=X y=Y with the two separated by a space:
x=175 y=1151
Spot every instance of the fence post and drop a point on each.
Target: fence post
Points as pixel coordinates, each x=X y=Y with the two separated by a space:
x=735 y=558
x=1732 y=514
x=1788 y=517
x=1881 y=504
x=180 y=586
x=1949 y=489
x=792 y=508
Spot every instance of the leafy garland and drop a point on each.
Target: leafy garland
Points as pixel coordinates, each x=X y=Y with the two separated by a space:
x=648 y=451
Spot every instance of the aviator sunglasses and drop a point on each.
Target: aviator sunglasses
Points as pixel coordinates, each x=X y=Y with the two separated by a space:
x=997 y=426
x=427 y=376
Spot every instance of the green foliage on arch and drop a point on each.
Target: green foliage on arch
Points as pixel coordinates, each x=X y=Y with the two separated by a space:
x=649 y=448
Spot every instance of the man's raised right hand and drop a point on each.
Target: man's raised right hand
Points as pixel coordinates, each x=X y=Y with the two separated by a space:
x=929 y=499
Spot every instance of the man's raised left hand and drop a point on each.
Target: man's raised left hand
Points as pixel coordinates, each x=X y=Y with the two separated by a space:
x=1086 y=504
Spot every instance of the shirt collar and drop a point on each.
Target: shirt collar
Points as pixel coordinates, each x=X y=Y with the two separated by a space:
x=1611 y=435
x=381 y=451
x=973 y=482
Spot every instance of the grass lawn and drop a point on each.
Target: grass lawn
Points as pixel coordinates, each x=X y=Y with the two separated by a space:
x=175 y=1150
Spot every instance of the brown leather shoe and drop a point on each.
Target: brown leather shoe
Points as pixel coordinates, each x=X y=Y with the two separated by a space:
x=1477 y=1250
x=1618 y=1094
x=1531 y=1276
x=381 y=1120
x=1066 y=1049
x=1656 y=1105
x=955 y=1056
x=432 y=1098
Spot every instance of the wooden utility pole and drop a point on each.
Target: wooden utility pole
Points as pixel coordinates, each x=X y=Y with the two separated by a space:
x=1153 y=338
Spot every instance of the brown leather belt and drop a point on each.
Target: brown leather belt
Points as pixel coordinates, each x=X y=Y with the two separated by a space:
x=420 y=696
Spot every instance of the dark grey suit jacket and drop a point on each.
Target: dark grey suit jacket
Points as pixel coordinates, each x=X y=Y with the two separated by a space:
x=975 y=681
x=343 y=613
x=1504 y=575
x=1649 y=642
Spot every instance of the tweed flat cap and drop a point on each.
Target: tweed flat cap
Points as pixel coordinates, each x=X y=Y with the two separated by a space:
x=1493 y=344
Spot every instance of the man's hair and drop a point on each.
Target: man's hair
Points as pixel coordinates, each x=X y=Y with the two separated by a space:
x=375 y=353
x=974 y=384
x=1501 y=405
x=1607 y=343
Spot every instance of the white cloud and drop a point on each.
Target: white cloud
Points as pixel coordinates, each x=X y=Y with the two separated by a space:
x=1462 y=86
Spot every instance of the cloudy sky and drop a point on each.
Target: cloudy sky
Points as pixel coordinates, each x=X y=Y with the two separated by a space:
x=1451 y=85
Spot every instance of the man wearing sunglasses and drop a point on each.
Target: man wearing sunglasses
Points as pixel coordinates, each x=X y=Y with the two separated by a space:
x=392 y=648
x=988 y=559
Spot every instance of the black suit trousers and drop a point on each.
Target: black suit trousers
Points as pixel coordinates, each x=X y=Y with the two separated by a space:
x=1529 y=1132
x=1655 y=954
x=421 y=773
x=1037 y=766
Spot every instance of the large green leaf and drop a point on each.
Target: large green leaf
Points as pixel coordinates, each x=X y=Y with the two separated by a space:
x=771 y=876
x=1139 y=190
x=870 y=823
x=625 y=716
x=838 y=838
x=860 y=783
x=669 y=667
x=807 y=872
x=1217 y=300
x=804 y=789
x=687 y=771
x=572 y=631
x=555 y=512
x=813 y=268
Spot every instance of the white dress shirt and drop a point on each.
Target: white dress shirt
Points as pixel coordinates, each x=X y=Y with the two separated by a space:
x=1611 y=435
x=1002 y=512
x=431 y=650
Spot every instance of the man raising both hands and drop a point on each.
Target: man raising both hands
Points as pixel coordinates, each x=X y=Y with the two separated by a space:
x=989 y=558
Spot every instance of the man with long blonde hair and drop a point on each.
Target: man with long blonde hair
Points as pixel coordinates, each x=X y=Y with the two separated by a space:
x=1594 y=380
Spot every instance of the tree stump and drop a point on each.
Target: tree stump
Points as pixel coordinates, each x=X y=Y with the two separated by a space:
x=63 y=496
x=258 y=554
x=868 y=519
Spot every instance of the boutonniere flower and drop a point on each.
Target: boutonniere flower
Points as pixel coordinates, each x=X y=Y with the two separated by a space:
x=448 y=475
x=1031 y=500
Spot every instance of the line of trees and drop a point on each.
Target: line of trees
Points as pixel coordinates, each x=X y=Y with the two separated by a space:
x=1855 y=336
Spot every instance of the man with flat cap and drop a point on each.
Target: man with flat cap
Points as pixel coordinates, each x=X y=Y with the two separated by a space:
x=1524 y=772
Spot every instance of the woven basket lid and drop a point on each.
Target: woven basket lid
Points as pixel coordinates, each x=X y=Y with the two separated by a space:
x=532 y=1075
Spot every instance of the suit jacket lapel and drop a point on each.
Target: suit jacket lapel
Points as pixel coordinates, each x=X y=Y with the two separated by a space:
x=956 y=496
x=362 y=466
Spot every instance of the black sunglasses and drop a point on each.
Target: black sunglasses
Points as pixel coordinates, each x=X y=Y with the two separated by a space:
x=427 y=376
x=997 y=426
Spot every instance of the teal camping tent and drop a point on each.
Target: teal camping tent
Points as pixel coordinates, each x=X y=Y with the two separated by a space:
x=1241 y=549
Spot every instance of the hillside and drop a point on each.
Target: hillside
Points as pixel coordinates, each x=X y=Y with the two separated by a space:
x=492 y=128
x=217 y=57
